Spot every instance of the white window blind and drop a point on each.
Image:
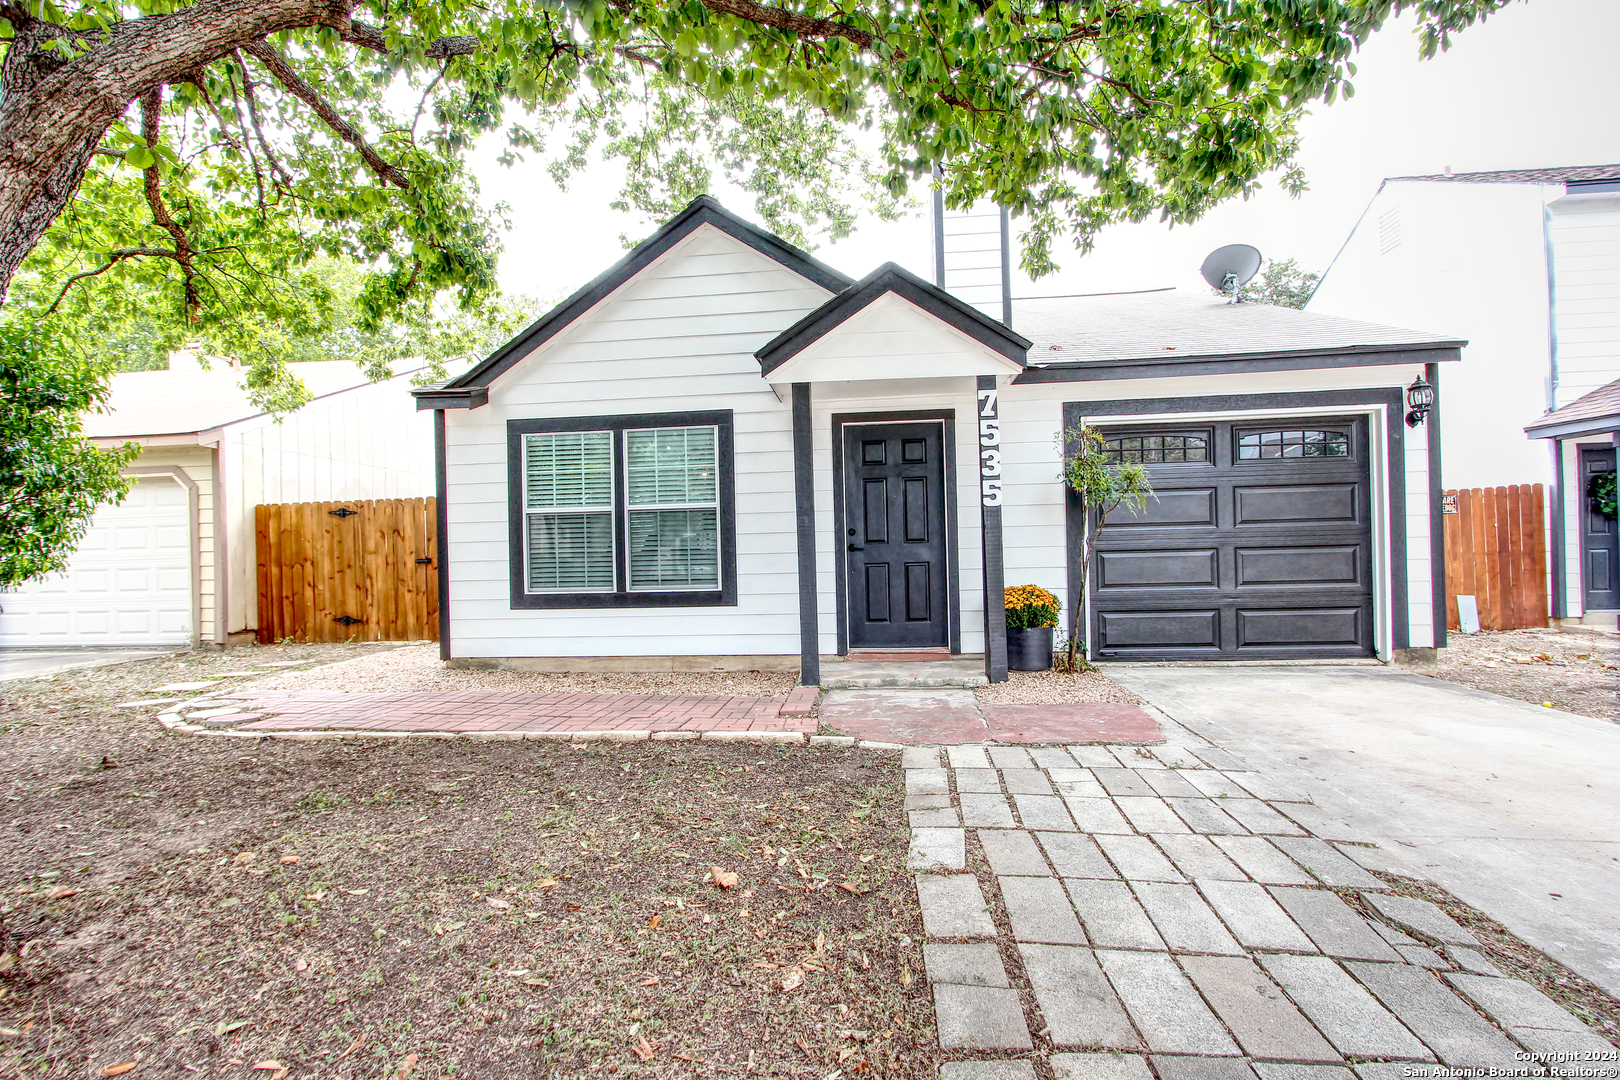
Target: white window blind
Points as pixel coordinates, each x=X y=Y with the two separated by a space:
x=671 y=487
x=566 y=474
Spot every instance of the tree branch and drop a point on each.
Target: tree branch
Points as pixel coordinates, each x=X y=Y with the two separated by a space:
x=346 y=131
x=369 y=37
x=793 y=22
x=151 y=113
x=113 y=259
x=278 y=174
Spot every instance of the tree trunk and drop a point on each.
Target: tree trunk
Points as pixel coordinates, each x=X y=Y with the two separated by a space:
x=53 y=112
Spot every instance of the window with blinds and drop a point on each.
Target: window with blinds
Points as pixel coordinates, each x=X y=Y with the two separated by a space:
x=568 y=506
x=673 y=508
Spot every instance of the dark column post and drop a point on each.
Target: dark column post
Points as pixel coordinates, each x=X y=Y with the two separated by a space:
x=1559 y=608
x=995 y=607
x=804 y=505
x=441 y=511
x=1437 y=519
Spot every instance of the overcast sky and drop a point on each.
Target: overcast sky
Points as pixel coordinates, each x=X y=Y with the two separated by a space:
x=1535 y=86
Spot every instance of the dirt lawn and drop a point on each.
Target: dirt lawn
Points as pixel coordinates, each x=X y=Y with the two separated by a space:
x=1576 y=672
x=435 y=908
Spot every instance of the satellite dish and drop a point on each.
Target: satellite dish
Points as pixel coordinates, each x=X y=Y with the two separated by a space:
x=1229 y=268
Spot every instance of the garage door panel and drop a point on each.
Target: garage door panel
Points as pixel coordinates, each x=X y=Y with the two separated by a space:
x=1260 y=557
x=129 y=582
x=1124 y=630
x=1298 y=626
x=1147 y=569
x=1177 y=506
x=1335 y=565
x=1295 y=503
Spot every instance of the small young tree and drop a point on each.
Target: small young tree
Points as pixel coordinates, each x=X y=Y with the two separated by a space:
x=1104 y=486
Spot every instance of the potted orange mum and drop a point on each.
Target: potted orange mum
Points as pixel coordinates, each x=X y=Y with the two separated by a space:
x=1032 y=614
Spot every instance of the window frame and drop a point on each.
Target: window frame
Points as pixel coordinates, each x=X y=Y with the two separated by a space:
x=1207 y=434
x=621 y=596
x=1286 y=426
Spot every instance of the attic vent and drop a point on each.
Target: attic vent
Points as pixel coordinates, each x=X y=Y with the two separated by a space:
x=1389 y=231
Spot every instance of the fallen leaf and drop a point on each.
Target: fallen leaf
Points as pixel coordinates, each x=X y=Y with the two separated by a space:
x=498 y=905
x=851 y=888
x=357 y=892
x=688 y=1057
x=547 y=883
x=799 y=1042
x=821 y=942
x=245 y=856
x=119 y=1069
x=300 y=964
x=793 y=979
x=653 y=923
x=61 y=892
x=905 y=975
x=654 y=981
x=643 y=1049
x=723 y=878
x=269 y=1066
x=765 y=964
x=288 y=860
x=406 y=1066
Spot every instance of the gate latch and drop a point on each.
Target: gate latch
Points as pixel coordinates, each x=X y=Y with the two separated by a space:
x=343 y=512
x=424 y=561
x=347 y=620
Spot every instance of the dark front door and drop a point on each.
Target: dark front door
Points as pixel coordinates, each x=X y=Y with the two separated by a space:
x=894 y=535
x=1257 y=544
x=1599 y=548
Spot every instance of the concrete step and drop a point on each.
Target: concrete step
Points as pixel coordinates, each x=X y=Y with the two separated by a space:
x=902 y=675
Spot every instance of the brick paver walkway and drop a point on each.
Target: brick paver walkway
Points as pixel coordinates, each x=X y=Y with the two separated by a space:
x=1168 y=906
x=484 y=711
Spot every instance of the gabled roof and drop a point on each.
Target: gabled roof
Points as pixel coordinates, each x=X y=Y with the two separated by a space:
x=890 y=278
x=1165 y=327
x=1591 y=414
x=461 y=392
x=150 y=404
x=1566 y=174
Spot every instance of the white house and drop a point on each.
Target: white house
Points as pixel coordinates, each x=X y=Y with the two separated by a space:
x=1525 y=264
x=174 y=563
x=723 y=454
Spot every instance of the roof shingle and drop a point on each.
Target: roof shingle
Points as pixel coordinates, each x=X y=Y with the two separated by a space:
x=1564 y=174
x=1597 y=411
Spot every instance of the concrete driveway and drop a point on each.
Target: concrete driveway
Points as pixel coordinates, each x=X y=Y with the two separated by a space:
x=1511 y=807
x=32 y=663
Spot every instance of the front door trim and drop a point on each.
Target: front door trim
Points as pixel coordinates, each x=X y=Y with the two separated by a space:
x=1391 y=399
x=952 y=570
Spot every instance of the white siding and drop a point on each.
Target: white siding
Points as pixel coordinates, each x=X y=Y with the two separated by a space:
x=680 y=336
x=1586 y=245
x=1470 y=261
x=912 y=344
x=366 y=443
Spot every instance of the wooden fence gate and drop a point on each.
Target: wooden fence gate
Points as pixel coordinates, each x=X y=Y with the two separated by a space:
x=363 y=570
x=1496 y=552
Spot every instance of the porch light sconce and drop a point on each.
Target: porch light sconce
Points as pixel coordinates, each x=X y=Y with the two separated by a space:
x=1419 y=399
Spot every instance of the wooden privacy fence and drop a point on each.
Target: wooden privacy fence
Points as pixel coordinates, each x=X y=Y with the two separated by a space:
x=1496 y=552
x=363 y=570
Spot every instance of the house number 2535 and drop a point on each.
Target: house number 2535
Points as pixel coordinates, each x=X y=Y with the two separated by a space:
x=989 y=449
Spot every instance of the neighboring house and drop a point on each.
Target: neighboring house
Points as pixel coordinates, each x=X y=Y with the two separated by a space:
x=724 y=454
x=1525 y=264
x=174 y=563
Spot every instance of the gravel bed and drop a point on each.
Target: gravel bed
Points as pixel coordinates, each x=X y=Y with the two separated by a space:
x=1576 y=671
x=1055 y=688
x=417 y=668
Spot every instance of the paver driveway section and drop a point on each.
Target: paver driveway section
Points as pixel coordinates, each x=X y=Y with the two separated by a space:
x=1512 y=807
x=1151 y=942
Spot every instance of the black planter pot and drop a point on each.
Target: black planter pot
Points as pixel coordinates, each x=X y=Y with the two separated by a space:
x=1029 y=649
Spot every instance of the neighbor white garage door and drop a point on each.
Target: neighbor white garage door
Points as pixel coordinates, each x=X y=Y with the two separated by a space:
x=129 y=583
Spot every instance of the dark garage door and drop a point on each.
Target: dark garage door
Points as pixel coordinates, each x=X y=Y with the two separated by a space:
x=1258 y=545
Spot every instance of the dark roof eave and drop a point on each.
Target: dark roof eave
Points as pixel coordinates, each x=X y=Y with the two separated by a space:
x=1574 y=429
x=891 y=278
x=702 y=210
x=429 y=398
x=1347 y=356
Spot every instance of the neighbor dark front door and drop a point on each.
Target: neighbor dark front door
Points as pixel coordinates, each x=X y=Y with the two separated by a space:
x=1256 y=544
x=1599 y=548
x=894 y=535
